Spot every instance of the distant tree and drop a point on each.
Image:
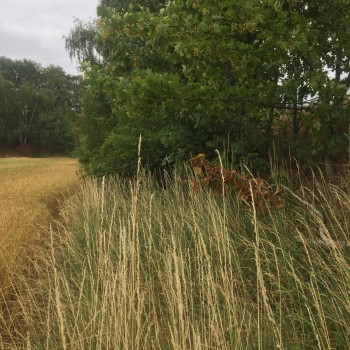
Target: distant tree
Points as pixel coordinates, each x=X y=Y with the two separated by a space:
x=54 y=131
x=32 y=102
x=37 y=105
x=81 y=42
x=18 y=71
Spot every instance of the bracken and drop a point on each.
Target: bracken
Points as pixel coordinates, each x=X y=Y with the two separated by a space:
x=251 y=190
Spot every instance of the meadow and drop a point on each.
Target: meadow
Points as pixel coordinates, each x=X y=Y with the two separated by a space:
x=138 y=265
x=30 y=191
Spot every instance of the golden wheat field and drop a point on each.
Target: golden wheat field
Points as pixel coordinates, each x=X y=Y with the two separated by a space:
x=30 y=191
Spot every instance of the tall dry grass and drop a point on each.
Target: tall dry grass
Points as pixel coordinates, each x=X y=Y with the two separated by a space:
x=29 y=193
x=138 y=266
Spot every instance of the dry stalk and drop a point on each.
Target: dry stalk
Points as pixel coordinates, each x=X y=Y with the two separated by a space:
x=325 y=237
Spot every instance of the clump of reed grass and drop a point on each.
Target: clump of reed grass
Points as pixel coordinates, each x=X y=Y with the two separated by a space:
x=141 y=266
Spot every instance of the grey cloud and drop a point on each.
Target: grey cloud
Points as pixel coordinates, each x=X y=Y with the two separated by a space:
x=35 y=29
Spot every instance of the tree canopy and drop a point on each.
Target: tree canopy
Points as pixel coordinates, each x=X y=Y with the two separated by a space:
x=194 y=76
x=37 y=105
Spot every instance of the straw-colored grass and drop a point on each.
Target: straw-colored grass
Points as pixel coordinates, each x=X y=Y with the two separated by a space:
x=30 y=189
x=138 y=266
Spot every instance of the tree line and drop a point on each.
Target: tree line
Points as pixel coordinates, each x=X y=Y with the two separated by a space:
x=38 y=106
x=251 y=78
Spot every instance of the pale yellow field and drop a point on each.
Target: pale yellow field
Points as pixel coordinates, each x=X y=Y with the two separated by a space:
x=30 y=190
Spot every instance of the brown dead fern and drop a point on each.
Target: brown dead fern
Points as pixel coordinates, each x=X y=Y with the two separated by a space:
x=249 y=189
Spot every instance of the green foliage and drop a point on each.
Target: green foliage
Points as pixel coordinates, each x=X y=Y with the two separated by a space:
x=54 y=131
x=37 y=105
x=81 y=41
x=188 y=75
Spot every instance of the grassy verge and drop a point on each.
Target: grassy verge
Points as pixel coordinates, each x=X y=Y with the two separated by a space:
x=139 y=267
x=30 y=190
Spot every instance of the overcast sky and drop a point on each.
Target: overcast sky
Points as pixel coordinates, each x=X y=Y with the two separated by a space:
x=33 y=29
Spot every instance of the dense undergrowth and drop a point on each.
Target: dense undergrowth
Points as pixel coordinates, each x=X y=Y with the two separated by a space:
x=136 y=265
